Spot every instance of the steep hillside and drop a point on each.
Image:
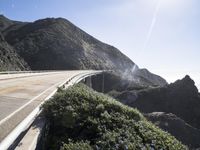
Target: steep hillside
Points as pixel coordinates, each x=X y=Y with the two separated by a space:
x=9 y=59
x=58 y=44
x=177 y=127
x=80 y=118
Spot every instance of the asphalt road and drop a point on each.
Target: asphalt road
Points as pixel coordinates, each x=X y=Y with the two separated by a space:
x=21 y=93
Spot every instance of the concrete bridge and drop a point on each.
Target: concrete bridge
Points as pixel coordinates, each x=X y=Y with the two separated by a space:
x=22 y=94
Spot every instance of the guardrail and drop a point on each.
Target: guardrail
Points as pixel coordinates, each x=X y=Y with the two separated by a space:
x=41 y=71
x=18 y=72
x=25 y=124
x=35 y=71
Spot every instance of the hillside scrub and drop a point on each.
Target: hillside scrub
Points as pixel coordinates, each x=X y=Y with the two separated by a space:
x=80 y=118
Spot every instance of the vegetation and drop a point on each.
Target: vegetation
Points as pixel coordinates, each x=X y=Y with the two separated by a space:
x=80 y=118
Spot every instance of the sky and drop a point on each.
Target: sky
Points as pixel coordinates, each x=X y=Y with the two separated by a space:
x=160 y=35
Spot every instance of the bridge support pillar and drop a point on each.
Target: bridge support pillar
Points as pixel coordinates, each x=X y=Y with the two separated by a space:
x=88 y=82
x=103 y=83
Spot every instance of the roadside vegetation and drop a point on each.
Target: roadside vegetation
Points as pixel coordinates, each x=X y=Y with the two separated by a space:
x=80 y=118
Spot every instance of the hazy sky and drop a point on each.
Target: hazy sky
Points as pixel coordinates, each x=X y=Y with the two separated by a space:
x=161 y=35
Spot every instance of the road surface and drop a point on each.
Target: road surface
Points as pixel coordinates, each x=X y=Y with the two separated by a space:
x=21 y=93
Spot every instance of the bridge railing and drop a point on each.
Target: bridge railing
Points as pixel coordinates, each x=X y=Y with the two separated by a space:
x=41 y=71
x=35 y=71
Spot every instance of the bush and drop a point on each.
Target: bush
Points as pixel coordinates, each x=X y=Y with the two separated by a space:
x=76 y=146
x=81 y=117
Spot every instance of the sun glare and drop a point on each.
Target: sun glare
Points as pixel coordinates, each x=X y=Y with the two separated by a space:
x=170 y=4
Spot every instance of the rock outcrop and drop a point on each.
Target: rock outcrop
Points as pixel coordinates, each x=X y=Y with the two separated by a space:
x=184 y=132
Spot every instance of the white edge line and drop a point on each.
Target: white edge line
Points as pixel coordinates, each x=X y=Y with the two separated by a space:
x=13 y=113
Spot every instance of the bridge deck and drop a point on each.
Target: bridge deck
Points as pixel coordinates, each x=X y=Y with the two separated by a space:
x=20 y=94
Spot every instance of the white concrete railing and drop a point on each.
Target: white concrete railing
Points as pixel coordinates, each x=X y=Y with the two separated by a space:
x=25 y=124
x=31 y=71
x=18 y=72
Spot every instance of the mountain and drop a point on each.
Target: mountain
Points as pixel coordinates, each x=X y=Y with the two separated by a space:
x=177 y=127
x=57 y=44
x=9 y=59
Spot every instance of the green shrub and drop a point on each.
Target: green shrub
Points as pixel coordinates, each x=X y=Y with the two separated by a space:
x=80 y=114
x=76 y=146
